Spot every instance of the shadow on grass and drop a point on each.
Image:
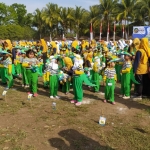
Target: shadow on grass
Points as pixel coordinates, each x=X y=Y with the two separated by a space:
x=1 y=99
x=140 y=130
x=77 y=141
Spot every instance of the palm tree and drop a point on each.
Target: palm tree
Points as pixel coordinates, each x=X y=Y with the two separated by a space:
x=79 y=17
x=139 y=18
x=126 y=11
x=144 y=6
x=37 y=21
x=66 y=17
x=95 y=16
x=50 y=14
x=107 y=9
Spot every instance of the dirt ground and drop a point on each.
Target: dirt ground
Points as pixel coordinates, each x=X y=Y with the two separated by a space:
x=34 y=125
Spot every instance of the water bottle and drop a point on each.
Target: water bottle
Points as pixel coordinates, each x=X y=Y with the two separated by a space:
x=54 y=106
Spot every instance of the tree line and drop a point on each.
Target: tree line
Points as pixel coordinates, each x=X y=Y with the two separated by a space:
x=53 y=20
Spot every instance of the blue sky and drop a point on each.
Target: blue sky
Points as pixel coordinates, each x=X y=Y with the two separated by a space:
x=31 y=5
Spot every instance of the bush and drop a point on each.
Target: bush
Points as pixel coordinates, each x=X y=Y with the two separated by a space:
x=16 y=32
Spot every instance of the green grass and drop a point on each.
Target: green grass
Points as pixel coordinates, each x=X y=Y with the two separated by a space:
x=119 y=133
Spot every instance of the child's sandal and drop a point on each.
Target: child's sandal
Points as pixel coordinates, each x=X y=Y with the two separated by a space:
x=78 y=103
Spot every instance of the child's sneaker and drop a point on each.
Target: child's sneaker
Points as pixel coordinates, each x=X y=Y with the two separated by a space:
x=26 y=86
x=126 y=97
x=101 y=93
x=29 y=93
x=35 y=95
x=137 y=98
x=73 y=101
x=22 y=85
x=52 y=97
x=78 y=103
x=7 y=88
x=57 y=97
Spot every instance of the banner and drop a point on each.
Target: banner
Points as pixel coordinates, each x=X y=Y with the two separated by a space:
x=141 y=32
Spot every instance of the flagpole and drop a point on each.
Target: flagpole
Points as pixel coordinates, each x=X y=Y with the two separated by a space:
x=114 y=30
x=100 y=31
x=108 y=33
x=123 y=28
x=91 y=33
x=126 y=30
x=123 y=31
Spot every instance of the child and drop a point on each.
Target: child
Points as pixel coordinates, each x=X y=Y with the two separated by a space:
x=31 y=64
x=132 y=77
x=40 y=69
x=78 y=78
x=4 y=82
x=89 y=58
x=118 y=68
x=52 y=70
x=17 y=63
x=25 y=82
x=95 y=75
x=110 y=78
x=65 y=80
x=125 y=79
x=67 y=69
x=6 y=72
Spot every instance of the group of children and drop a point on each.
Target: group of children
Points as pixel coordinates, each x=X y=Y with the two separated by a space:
x=89 y=63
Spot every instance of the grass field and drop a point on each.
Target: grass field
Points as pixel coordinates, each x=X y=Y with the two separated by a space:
x=34 y=125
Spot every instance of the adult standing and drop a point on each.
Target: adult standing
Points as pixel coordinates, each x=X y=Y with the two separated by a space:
x=141 y=69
